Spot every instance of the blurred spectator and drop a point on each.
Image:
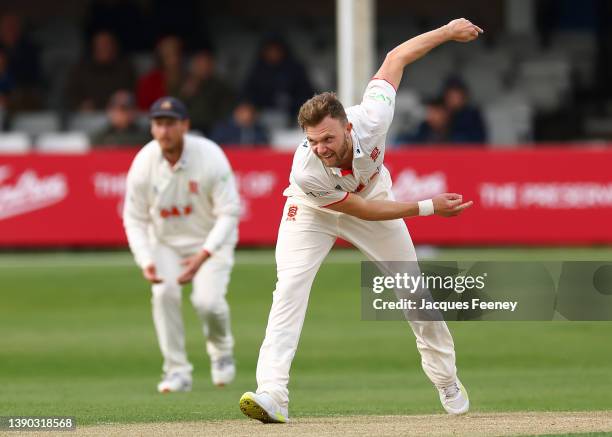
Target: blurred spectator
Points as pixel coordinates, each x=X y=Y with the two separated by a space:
x=466 y=122
x=433 y=130
x=22 y=58
x=184 y=18
x=122 y=129
x=277 y=80
x=241 y=128
x=166 y=78
x=97 y=77
x=124 y=18
x=208 y=98
x=6 y=81
x=603 y=59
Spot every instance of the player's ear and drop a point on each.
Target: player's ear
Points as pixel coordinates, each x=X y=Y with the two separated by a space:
x=349 y=127
x=187 y=124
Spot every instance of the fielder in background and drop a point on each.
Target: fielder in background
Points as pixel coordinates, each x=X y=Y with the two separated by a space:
x=339 y=187
x=181 y=216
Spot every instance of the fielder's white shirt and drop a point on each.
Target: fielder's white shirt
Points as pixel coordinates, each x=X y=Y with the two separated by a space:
x=320 y=186
x=189 y=206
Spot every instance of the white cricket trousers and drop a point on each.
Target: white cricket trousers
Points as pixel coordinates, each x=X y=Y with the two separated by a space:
x=208 y=299
x=305 y=237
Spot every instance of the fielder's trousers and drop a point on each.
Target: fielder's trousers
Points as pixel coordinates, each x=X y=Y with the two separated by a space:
x=305 y=237
x=208 y=299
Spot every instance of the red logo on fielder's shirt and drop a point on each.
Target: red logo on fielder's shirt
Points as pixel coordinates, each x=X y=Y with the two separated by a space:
x=375 y=153
x=292 y=212
x=176 y=211
x=193 y=187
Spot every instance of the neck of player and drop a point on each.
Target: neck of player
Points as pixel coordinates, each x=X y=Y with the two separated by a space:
x=173 y=154
x=347 y=159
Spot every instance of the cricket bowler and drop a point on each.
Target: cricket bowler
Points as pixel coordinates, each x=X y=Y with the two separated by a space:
x=339 y=187
x=181 y=217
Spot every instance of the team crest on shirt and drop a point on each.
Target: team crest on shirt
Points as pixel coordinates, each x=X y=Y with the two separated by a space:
x=193 y=187
x=375 y=153
x=291 y=213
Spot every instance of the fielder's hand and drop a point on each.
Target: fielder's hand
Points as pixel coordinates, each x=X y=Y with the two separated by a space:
x=192 y=265
x=150 y=274
x=463 y=30
x=450 y=204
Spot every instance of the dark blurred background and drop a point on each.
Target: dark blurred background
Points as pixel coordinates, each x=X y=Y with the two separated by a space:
x=84 y=72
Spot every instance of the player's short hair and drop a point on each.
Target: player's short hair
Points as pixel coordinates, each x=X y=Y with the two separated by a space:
x=320 y=106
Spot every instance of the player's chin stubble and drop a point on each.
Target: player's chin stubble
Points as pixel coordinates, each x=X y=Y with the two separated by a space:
x=336 y=159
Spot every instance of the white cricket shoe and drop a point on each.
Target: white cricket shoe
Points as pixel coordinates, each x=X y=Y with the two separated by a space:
x=222 y=370
x=262 y=407
x=454 y=398
x=174 y=382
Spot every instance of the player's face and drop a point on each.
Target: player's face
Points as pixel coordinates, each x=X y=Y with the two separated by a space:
x=330 y=140
x=169 y=132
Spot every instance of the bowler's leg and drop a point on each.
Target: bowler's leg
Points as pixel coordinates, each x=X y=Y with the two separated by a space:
x=390 y=241
x=304 y=239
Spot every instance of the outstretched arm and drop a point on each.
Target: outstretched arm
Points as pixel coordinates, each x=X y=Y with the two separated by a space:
x=445 y=205
x=392 y=68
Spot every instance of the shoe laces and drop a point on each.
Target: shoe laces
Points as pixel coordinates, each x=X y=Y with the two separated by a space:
x=223 y=362
x=451 y=391
x=172 y=376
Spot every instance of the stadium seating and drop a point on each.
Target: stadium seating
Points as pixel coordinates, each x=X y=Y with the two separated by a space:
x=510 y=76
x=36 y=123
x=509 y=121
x=63 y=142
x=88 y=122
x=274 y=120
x=287 y=139
x=14 y=142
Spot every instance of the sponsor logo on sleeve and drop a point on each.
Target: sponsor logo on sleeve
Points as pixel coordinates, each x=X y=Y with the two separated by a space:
x=373 y=95
x=319 y=193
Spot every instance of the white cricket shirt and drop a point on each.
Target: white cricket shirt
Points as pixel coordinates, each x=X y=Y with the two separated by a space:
x=320 y=186
x=189 y=206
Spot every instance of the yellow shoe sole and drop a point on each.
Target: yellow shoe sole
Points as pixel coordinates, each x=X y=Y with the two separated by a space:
x=252 y=409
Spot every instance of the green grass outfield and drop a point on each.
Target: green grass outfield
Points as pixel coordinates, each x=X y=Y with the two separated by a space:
x=77 y=339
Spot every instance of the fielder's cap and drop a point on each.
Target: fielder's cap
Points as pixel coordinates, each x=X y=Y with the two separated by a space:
x=168 y=107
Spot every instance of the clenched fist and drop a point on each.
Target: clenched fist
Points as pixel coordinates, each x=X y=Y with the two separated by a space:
x=450 y=204
x=463 y=30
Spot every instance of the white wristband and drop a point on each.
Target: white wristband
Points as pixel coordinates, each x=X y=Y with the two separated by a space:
x=426 y=207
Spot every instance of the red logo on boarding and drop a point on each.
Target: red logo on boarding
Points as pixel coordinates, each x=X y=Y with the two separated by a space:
x=292 y=212
x=375 y=153
x=193 y=187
